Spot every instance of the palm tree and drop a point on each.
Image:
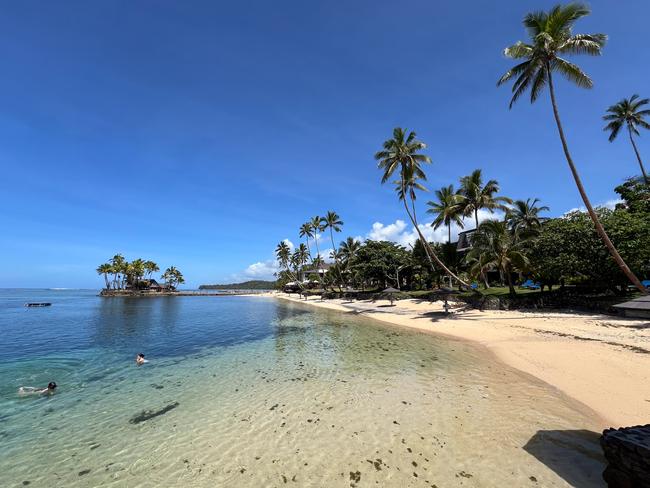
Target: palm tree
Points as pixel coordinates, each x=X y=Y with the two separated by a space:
x=495 y=246
x=138 y=270
x=551 y=38
x=447 y=209
x=300 y=257
x=627 y=112
x=474 y=195
x=282 y=254
x=105 y=269
x=348 y=249
x=316 y=227
x=524 y=217
x=119 y=265
x=151 y=267
x=403 y=153
x=333 y=222
x=173 y=277
x=306 y=231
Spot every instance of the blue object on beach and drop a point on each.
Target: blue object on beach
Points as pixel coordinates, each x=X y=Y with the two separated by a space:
x=474 y=286
x=530 y=285
x=646 y=283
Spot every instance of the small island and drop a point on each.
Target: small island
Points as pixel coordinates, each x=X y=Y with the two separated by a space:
x=135 y=278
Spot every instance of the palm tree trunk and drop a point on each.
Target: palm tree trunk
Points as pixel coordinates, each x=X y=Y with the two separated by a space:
x=336 y=261
x=476 y=217
x=429 y=252
x=448 y=233
x=599 y=227
x=513 y=293
x=638 y=157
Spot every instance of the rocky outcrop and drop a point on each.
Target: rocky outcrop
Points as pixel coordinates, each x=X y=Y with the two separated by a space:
x=627 y=451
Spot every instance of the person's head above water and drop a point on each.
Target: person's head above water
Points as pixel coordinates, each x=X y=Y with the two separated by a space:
x=51 y=385
x=140 y=355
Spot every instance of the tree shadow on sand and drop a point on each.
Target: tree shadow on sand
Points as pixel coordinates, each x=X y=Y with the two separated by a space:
x=574 y=455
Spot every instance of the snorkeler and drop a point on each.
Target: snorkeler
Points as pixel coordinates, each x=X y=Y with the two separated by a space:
x=30 y=390
x=139 y=359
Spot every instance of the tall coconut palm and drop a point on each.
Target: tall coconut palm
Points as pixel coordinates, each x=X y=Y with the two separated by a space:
x=447 y=209
x=333 y=222
x=105 y=269
x=627 y=112
x=495 y=246
x=523 y=216
x=316 y=227
x=403 y=153
x=551 y=38
x=474 y=195
x=306 y=231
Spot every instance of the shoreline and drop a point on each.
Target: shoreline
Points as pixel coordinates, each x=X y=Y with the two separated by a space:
x=601 y=362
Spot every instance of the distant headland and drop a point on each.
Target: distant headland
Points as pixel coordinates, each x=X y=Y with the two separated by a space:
x=246 y=285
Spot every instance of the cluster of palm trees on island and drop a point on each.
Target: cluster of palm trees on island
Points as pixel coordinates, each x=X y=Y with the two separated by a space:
x=120 y=274
x=496 y=244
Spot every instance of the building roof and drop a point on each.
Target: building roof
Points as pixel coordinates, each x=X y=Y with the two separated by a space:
x=465 y=240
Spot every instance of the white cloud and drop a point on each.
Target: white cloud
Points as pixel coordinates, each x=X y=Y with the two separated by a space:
x=262 y=270
x=289 y=243
x=610 y=204
x=405 y=235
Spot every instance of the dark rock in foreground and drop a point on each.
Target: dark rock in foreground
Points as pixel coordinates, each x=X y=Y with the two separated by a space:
x=149 y=414
x=628 y=452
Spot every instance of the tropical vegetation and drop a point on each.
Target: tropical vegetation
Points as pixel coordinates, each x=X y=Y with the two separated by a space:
x=120 y=274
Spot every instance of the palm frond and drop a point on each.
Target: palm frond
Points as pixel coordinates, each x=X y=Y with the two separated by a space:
x=571 y=72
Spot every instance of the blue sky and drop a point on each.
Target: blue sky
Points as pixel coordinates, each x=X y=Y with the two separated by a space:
x=199 y=134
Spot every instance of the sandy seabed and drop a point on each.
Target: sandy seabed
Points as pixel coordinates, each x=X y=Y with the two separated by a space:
x=599 y=360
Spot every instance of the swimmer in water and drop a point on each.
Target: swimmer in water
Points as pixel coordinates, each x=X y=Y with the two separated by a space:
x=139 y=359
x=29 y=390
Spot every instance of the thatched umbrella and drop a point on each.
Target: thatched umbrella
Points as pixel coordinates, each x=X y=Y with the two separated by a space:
x=389 y=291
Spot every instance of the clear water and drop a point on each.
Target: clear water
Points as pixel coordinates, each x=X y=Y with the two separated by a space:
x=256 y=392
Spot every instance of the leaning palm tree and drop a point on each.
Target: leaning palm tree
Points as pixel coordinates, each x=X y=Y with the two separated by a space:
x=551 y=37
x=105 y=269
x=524 y=216
x=474 y=195
x=284 y=258
x=627 y=112
x=495 y=246
x=403 y=153
x=447 y=209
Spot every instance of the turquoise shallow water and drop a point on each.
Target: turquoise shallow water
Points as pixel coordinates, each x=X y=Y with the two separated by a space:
x=255 y=392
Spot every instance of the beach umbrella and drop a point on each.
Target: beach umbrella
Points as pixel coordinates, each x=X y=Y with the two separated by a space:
x=389 y=291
